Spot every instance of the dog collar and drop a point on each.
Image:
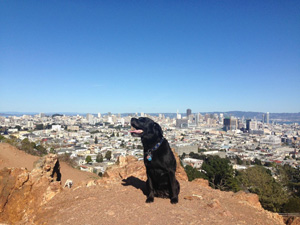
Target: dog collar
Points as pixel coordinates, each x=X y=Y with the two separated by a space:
x=149 y=152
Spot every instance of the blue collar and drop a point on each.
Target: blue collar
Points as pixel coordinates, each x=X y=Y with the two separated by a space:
x=149 y=152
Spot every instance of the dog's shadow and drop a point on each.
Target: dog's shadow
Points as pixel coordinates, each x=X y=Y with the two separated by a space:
x=135 y=182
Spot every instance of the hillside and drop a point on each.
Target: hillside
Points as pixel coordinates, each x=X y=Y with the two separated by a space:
x=37 y=198
x=12 y=157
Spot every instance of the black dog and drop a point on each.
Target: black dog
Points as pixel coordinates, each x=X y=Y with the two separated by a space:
x=158 y=158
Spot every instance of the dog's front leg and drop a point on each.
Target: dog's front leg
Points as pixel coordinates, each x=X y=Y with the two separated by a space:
x=173 y=188
x=150 y=197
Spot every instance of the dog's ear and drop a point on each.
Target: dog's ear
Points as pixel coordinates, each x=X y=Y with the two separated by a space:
x=158 y=130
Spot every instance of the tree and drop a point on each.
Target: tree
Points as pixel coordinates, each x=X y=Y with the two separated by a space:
x=99 y=158
x=39 y=127
x=196 y=156
x=289 y=177
x=2 y=138
x=18 y=127
x=41 y=150
x=192 y=173
x=201 y=150
x=27 y=146
x=122 y=144
x=219 y=173
x=108 y=155
x=182 y=156
x=257 y=162
x=239 y=161
x=96 y=140
x=258 y=180
x=292 y=206
x=88 y=159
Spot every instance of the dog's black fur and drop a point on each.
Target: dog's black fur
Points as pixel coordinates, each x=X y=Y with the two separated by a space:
x=161 y=181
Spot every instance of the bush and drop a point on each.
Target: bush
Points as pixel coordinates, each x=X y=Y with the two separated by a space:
x=292 y=206
x=192 y=173
x=66 y=158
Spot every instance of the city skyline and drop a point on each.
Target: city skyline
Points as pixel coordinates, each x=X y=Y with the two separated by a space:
x=151 y=57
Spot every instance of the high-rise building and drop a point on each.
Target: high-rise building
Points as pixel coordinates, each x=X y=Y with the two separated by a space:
x=268 y=118
x=251 y=124
x=263 y=118
x=89 y=116
x=178 y=115
x=188 y=113
x=198 y=118
x=99 y=115
x=230 y=124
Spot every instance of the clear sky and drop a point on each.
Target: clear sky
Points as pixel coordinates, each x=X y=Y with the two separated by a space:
x=149 y=56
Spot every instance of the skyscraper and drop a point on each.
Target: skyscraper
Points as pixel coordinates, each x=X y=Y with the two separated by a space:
x=230 y=124
x=188 y=112
x=268 y=118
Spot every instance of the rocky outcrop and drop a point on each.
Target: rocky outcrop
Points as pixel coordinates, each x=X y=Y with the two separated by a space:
x=201 y=182
x=23 y=192
x=180 y=172
x=125 y=167
x=292 y=220
x=248 y=198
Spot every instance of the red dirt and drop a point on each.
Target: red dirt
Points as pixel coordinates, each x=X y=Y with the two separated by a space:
x=13 y=157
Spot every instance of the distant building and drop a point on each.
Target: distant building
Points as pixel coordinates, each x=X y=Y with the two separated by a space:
x=181 y=123
x=253 y=128
x=178 y=115
x=73 y=128
x=42 y=115
x=268 y=117
x=251 y=124
x=185 y=148
x=271 y=140
x=230 y=124
x=56 y=127
x=195 y=163
x=89 y=117
x=188 y=113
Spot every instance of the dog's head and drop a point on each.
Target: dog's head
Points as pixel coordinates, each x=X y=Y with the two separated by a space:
x=145 y=128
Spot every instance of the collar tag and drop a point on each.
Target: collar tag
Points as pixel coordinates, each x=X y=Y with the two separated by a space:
x=149 y=158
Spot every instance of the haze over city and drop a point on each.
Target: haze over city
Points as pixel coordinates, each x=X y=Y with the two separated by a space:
x=152 y=57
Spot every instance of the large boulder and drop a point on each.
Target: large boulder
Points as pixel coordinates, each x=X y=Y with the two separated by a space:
x=23 y=192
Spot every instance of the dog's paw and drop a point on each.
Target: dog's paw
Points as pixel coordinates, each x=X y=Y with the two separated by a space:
x=174 y=200
x=149 y=200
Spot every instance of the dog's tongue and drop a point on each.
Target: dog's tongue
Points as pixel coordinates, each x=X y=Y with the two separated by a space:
x=136 y=131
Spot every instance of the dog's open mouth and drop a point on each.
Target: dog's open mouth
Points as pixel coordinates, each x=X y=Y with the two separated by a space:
x=136 y=131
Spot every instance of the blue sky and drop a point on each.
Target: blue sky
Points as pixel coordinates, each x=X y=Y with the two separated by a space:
x=149 y=56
